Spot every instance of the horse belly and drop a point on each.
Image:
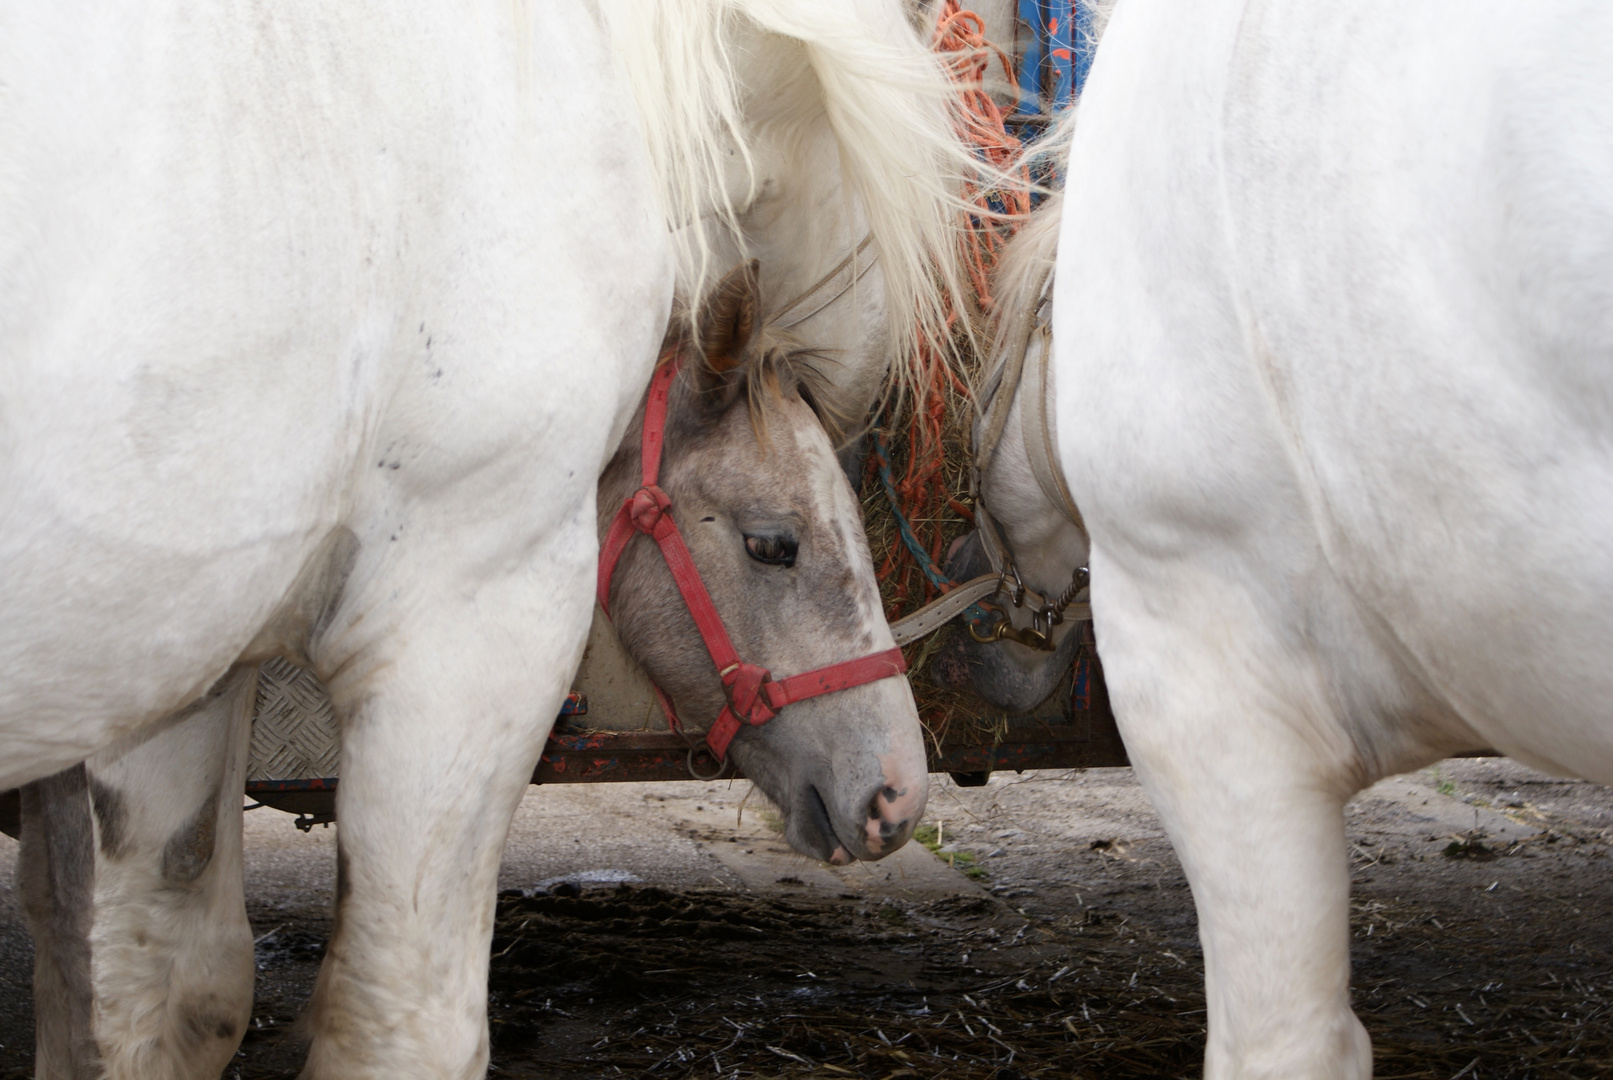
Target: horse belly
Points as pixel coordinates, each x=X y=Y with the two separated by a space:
x=1428 y=247
x=226 y=261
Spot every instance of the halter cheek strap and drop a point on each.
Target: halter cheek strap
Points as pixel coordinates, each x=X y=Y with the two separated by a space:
x=753 y=695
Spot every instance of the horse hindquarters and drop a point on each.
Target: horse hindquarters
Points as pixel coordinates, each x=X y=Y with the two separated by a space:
x=131 y=874
x=1203 y=566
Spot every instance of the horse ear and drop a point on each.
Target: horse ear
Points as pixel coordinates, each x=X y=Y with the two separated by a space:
x=728 y=319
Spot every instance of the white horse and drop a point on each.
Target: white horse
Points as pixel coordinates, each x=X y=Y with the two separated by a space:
x=318 y=329
x=1333 y=354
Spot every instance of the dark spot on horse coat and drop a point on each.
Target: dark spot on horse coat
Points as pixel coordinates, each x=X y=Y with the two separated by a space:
x=951 y=670
x=113 y=818
x=190 y=849
x=344 y=884
x=201 y=1024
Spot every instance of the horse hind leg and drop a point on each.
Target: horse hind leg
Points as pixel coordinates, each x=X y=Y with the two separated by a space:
x=132 y=876
x=1249 y=773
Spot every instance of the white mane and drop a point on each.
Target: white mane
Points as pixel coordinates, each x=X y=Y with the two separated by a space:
x=1028 y=258
x=885 y=94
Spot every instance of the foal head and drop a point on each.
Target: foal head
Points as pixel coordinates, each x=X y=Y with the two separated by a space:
x=777 y=536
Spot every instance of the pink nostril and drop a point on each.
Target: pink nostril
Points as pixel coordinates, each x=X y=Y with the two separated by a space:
x=882 y=834
x=887 y=818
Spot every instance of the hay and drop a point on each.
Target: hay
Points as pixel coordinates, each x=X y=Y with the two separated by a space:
x=941 y=513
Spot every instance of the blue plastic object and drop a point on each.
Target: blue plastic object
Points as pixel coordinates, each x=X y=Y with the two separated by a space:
x=1058 y=55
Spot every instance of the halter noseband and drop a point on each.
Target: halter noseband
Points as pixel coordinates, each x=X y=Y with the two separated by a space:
x=753 y=695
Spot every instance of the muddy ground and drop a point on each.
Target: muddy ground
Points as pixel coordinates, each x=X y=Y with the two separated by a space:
x=650 y=931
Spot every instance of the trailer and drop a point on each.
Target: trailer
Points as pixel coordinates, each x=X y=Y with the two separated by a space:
x=611 y=729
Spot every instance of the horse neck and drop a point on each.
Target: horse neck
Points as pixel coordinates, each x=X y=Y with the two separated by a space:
x=803 y=222
x=804 y=228
x=710 y=75
x=1046 y=546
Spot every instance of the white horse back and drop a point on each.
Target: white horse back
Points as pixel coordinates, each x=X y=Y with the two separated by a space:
x=1337 y=288
x=276 y=275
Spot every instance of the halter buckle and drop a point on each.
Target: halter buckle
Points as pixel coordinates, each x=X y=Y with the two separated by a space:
x=1037 y=636
x=743 y=685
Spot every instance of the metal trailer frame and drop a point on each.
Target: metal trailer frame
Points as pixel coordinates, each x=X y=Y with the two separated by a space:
x=1073 y=729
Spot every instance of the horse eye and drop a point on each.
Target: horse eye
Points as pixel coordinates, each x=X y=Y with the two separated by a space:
x=773 y=550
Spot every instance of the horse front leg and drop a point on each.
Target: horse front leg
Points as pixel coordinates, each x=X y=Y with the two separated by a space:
x=131 y=876
x=444 y=716
x=1249 y=773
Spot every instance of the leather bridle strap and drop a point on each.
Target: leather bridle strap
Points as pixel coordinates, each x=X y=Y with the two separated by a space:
x=851 y=269
x=1037 y=429
x=754 y=696
x=942 y=610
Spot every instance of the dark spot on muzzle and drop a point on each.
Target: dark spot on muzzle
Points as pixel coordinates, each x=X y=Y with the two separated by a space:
x=814 y=830
x=951 y=670
x=890 y=832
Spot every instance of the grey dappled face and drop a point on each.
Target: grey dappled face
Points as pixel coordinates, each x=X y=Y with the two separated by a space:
x=776 y=533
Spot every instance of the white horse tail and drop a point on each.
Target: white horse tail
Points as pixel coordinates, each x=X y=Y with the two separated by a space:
x=677 y=60
x=887 y=97
x=895 y=112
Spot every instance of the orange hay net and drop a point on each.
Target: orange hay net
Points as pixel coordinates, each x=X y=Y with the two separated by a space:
x=922 y=494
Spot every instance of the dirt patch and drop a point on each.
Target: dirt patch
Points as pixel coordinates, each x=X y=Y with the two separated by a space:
x=705 y=983
x=651 y=931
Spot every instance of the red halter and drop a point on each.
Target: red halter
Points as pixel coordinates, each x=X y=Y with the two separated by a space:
x=753 y=695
